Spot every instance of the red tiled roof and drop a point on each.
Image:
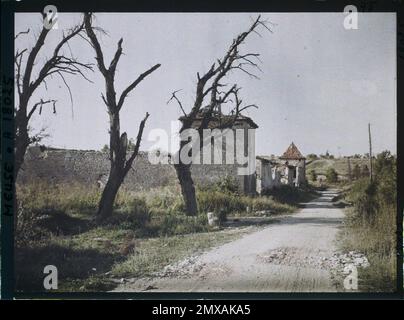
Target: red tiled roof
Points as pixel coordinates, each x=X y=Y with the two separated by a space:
x=292 y=153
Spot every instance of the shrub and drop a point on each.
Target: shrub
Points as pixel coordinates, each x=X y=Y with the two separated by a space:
x=228 y=184
x=132 y=214
x=269 y=204
x=313 y=175
x=356 y=172
x=223 y=203
x=372 y=223
x=289 y=194
x=331 y=175
x=216 y=201
x=362 y=195
x=365 y=171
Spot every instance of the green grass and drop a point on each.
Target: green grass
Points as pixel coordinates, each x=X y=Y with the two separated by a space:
x=154 y=254
x=239 y=204
x=146 y=231
x=88 y=261
x=292 y=196
x=340 y=165
x=370 y=228
x=378 y=243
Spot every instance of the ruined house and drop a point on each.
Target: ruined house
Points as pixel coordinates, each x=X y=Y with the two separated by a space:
x=228 y=126
x=91 y=168
x=288 y=169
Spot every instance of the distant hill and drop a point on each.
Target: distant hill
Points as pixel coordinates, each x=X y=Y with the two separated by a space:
x=340 y=165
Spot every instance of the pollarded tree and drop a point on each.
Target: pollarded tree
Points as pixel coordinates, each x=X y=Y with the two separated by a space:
x=210 y=95
x=121 y=158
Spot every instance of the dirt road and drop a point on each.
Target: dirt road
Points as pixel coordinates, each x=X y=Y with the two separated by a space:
x=290 y=255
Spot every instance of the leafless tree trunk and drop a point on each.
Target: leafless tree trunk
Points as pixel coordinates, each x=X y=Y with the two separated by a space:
x=57 y=65
x=118 y=143
x=211 y=84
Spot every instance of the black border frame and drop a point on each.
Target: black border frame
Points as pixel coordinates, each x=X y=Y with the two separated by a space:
x=7 y=123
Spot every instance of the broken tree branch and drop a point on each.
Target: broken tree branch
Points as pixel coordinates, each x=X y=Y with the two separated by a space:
x=135 y=83
x=40 y=104
x=20 y=33
x=135 y=152
x=178 y=101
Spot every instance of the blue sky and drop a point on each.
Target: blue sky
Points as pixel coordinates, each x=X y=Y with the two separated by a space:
x=320 y=85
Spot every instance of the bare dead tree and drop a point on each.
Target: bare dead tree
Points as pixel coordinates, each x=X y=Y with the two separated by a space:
x=26 y=83
x=118 y=143
x=210 y=90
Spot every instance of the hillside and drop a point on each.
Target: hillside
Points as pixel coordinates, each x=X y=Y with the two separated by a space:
x=320 y=166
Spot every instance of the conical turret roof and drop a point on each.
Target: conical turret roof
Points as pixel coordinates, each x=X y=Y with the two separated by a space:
x=292 y=153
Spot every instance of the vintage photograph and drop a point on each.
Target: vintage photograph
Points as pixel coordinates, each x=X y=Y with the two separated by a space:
x=205 y=152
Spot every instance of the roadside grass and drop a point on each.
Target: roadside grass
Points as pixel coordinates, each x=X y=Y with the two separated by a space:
x=233 y=204
x=146 y=231
x=292 y=196
x=88 y=262
x=55 y=210
x=153 y=254
x=378 y=243
x=370 y=225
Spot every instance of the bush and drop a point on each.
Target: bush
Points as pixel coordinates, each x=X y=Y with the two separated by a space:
x=133 y=214
x=228 y=184
x=267 y=203
x=215 y=201
x=371 y=223
x=331 y=175
x=313 y=175
x=356 y=172
x=365 y=171
x=223 y=204
x=290 y=195
x=362 y=195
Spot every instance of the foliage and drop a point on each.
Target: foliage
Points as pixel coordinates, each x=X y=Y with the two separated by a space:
x=356 y=172
x=291 y=195
x=371 y=223
x=228 y=184
x=312 y=156
x=47 y=210
x=365 y=171
x=222 y=203
x=313 y=175
x=331 y=175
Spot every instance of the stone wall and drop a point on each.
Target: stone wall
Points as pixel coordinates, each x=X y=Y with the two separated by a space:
x=92 y=167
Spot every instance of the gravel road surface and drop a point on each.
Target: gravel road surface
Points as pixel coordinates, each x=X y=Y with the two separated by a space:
x=293 y=254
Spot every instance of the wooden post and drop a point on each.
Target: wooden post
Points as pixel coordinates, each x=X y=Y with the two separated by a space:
x=370 y=155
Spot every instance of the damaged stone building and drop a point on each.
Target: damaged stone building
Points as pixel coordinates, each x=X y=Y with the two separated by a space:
x=227 y=126
x=288 y=169
x=91 y=167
